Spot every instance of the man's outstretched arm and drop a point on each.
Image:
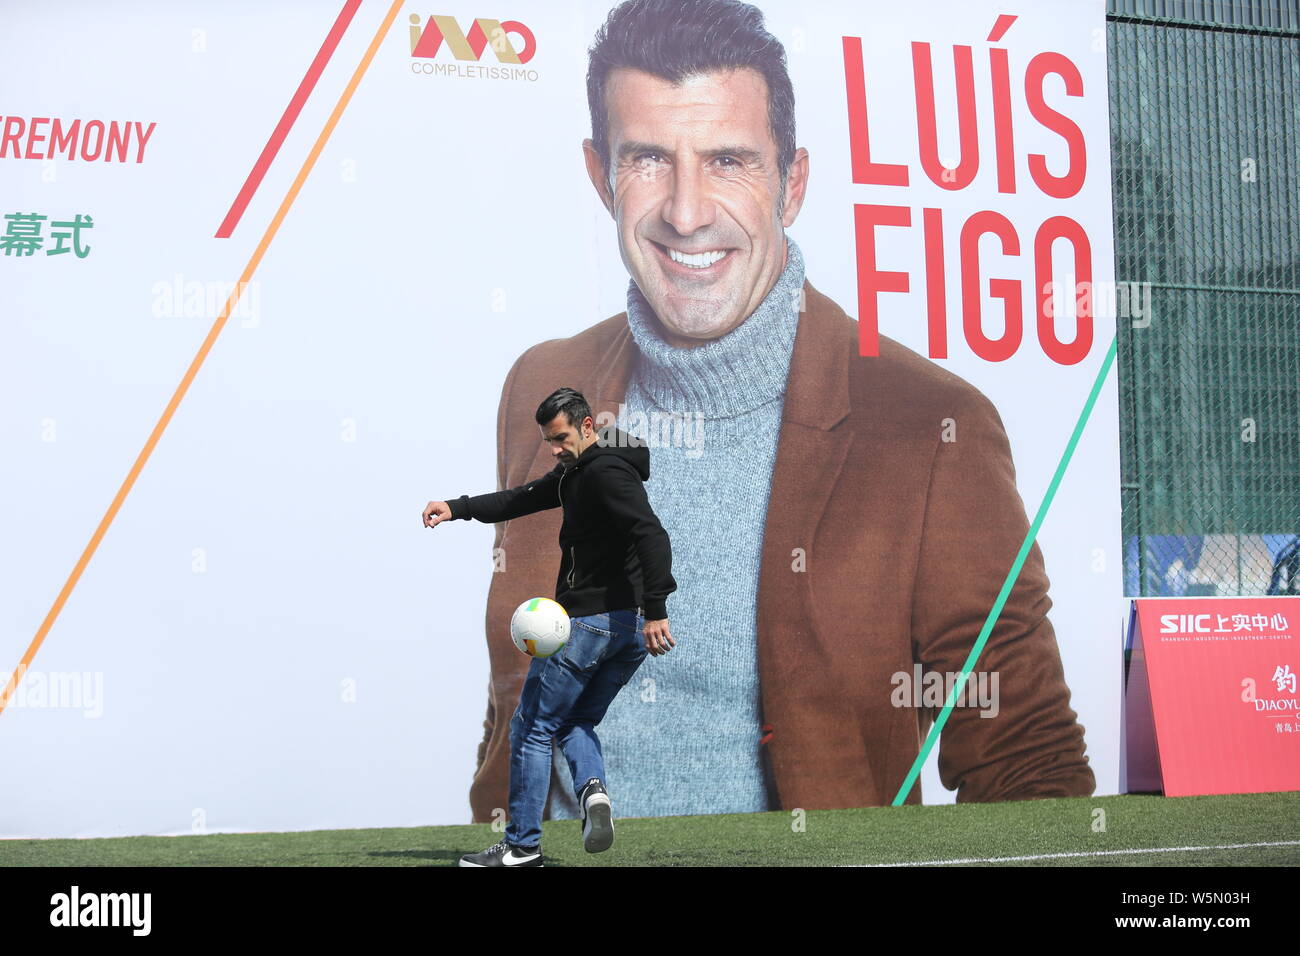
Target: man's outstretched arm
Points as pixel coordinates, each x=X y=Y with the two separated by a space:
x=533 y=496
x=1031 y=743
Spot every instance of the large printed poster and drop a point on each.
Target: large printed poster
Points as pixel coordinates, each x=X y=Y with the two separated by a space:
x=273 y=276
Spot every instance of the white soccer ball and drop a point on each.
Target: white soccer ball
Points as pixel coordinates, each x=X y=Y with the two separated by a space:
x=539 y=627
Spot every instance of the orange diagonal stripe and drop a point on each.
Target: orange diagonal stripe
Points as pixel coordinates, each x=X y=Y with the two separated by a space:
x=199 y=358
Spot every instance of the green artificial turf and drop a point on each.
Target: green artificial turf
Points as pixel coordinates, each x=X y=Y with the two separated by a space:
x=827 y=837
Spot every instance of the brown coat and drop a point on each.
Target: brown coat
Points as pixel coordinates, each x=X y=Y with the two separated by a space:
x=906 y=541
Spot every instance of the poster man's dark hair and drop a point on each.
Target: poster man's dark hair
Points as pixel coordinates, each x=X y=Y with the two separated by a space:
x=674 y=39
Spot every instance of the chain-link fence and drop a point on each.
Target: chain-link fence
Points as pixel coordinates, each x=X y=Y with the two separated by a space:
x=1205 y=140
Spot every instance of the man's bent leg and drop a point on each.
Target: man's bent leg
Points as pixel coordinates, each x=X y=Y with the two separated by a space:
x=549 y=694
x=577 y=734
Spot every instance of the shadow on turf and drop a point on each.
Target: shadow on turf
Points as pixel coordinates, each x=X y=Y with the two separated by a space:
x=448 y=857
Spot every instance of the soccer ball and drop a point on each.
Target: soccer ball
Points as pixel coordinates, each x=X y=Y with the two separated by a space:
x=539 y=627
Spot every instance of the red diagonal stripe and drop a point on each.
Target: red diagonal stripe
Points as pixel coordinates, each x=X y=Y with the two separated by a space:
x=287 y=120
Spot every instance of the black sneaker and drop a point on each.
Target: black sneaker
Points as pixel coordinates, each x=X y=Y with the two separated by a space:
x=504 y=854
x=597 y=817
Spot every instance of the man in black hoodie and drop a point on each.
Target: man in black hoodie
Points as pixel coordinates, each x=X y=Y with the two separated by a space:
x=616 y=564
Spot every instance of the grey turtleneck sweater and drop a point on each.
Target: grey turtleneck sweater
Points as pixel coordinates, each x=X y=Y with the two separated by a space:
x=683 y=736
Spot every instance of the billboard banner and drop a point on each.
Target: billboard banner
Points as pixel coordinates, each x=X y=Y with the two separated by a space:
x=275 y=276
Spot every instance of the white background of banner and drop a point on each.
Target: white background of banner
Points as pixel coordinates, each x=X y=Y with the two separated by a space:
x=447 y=226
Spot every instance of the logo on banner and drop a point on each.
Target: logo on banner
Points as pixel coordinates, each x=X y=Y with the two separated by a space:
x=511 y=43
x=1283 y=680
x=1241 y=626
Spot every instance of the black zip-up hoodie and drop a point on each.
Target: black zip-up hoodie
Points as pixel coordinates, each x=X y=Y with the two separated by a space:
x=616 y=553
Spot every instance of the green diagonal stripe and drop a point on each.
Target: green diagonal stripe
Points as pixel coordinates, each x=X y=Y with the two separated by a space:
x=1014 y=573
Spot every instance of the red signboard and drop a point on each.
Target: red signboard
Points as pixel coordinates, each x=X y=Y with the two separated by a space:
x=1215 y=678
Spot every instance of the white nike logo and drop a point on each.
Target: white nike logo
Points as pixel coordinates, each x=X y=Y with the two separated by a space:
x=510 y=859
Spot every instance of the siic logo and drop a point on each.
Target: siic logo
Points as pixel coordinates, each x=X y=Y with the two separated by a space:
x=1185 y=624
x=427 y=40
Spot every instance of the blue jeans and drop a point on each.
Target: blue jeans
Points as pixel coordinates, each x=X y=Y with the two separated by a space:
x=565 y=696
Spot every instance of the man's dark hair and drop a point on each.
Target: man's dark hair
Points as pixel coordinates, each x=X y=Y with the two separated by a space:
x=674 y=39
x=567 y=400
